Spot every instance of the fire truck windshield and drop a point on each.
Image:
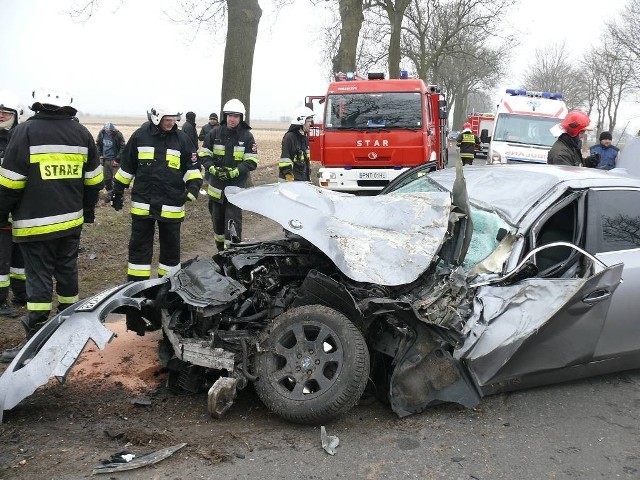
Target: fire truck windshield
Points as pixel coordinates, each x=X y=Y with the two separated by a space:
x=524 y=129
x=380 y=110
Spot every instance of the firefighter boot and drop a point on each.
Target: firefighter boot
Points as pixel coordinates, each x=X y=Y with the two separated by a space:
x=33 y=322
x=10 y=353
x=7 y=311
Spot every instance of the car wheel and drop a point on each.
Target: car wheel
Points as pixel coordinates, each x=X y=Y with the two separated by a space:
x=312 y=365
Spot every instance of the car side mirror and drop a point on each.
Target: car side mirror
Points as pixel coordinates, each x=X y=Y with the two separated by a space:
x=502 y=232
x=484 y=136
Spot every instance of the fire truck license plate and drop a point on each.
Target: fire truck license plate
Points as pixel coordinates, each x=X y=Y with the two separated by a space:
x=373 y=175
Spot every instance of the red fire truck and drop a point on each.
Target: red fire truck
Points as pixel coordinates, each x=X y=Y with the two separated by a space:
x=374 y=129
x=482 y=127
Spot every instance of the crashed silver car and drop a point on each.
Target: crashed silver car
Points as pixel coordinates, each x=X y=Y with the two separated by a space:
x=445 y=288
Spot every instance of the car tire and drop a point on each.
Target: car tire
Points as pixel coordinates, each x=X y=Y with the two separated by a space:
x=312 y=365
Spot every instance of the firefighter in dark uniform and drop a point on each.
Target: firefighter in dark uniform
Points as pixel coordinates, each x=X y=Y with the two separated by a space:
x=294 y=163
x=49 y=182
x=467 y=142
x=11 y=263
x=228 y=153
x=165 y=165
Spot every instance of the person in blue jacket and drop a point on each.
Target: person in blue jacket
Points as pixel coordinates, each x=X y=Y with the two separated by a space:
x=608 y=153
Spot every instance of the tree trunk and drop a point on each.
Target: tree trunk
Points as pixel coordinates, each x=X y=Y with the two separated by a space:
x=242 y=32
x=395 y=12
x=351 y=18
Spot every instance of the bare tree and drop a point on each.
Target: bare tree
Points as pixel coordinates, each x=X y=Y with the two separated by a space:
x=626 y=30
x=351 y=18
x=612 y=71
x=395 y=10
x=440 y=41
x=553 y=71
x=435 y=29
x=241 y=17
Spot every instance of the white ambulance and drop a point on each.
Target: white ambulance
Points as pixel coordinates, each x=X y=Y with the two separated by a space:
x=523 y=131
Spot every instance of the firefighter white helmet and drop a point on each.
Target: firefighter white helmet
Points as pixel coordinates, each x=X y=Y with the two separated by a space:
x=301 y=115
x=234 y=106
x=155 y=114
x=51 y=99
x=9 y=102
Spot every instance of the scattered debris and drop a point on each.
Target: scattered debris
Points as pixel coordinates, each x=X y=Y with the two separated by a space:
x=240 y=437
x=141 y=402
x=137 y=462
x=221 y=396
x=93 y=256
x=114 y=435
x=329 y=442
x=214 y=455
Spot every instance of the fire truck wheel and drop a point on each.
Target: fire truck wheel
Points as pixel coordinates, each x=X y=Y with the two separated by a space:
x=312 y=365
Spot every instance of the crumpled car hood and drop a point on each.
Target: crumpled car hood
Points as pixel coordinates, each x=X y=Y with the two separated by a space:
x=387 y=239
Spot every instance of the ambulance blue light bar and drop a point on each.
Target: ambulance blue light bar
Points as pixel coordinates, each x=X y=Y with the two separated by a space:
x=528 y=93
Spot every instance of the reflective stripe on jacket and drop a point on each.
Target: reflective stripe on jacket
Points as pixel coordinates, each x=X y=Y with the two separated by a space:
x=232 y=148
x=467 y=142
x=50 y=175
x=294 y=158
x=165 y=167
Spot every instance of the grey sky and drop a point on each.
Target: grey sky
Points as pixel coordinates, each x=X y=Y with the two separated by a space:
x=124 y=62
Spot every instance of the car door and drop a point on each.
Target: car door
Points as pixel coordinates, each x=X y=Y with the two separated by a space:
x=534 y=326
x=613 y=236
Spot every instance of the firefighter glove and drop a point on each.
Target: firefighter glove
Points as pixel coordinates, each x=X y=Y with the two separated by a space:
x=117 y=200
x=89 y=216
x=289 y=177
x=233 y=173
x=213 y=170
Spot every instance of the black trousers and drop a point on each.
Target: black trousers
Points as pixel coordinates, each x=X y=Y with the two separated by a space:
x=43 y=261
x=141 y=247
x=221 y=214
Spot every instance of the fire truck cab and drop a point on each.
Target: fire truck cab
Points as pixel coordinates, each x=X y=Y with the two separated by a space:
x=523 y=131
x=374 y=129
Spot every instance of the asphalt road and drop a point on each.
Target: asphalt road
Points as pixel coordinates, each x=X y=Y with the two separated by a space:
x=587 y=429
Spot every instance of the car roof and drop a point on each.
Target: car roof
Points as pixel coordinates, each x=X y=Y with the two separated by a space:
x=511 y=190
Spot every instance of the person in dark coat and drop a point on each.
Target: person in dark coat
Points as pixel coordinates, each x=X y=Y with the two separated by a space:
x=189 y=128
x=213 y=122
x=566 y=150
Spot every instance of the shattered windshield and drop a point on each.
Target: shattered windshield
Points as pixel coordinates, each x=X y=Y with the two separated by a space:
x=525 y=129
x=486 y=224
x=386 y=110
